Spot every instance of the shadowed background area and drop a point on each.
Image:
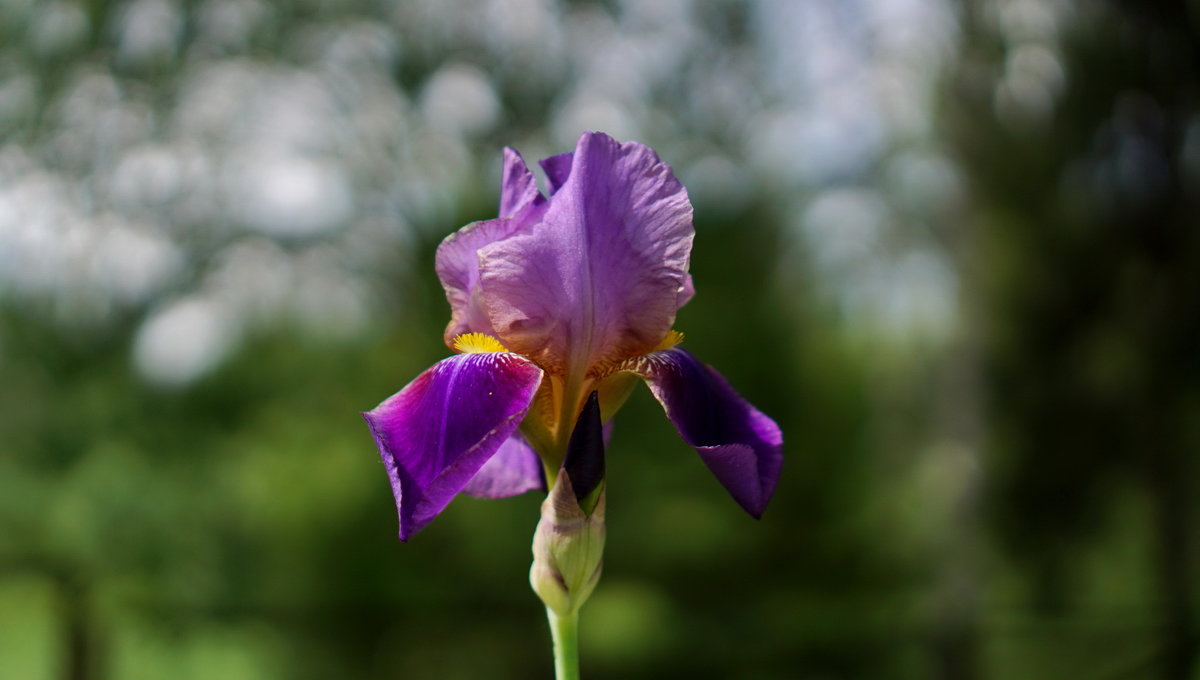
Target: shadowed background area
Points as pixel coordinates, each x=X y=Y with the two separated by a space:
x=952 y=248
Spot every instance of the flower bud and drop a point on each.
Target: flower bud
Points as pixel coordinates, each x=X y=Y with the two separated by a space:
x=584 y=461
x=568 y=547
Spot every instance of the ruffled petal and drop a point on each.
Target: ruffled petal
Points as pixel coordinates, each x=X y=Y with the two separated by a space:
x=458 y=270
x=437 y=432
x=600 y=278
x=740 y=445
x=513 y=470
x=457 y=257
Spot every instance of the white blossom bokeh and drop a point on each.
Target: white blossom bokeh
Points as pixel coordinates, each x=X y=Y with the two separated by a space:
x=213 y=189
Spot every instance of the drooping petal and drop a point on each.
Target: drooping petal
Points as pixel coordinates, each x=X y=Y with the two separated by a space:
x=741 y=446
x=518 y=188
x=437 y=432
x=599 y=279
x=513 y=470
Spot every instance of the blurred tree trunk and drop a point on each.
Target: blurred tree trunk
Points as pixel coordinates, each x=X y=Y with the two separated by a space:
x=959 y=417
x=81 y=661
x=1088 y=201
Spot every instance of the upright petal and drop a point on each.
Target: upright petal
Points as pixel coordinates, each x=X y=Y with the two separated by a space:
x=437 y=432
x=740 y=445
x=458 y=255
x=600 y=278
x=458 y=270
x=514 y=470
x=518 y=188
x=557 y=169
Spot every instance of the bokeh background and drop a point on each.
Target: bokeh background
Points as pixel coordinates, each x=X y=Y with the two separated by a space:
x=952 y=247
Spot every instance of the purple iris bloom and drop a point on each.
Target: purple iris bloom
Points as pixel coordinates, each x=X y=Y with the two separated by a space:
x=558 y=297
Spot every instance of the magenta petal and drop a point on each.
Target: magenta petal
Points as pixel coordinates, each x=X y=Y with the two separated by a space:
x=437 y=432
x=599 y=279
x=518 y=188
x=741 y=446
x=513 y=470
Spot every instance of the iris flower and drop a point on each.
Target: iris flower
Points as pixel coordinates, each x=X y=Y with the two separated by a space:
x=560 y=296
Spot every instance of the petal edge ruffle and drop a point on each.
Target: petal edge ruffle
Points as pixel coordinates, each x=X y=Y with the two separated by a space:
x=599 y=279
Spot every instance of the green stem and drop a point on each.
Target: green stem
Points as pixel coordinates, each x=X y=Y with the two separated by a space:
x=565 y=631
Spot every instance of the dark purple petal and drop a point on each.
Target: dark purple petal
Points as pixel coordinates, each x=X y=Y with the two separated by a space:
x=599 y=279
x=557 y=169
x=584 y=460
x=518 y=188
x=437 y=432
x=741 y=445
x=513 y=470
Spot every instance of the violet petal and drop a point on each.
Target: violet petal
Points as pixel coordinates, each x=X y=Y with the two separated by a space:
x=437 y=432
x=518 y=187
x=740 y=445
x=557 y=169
x=458 y=270
x=513 y=470
x=521 y=204
x=599 y=279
